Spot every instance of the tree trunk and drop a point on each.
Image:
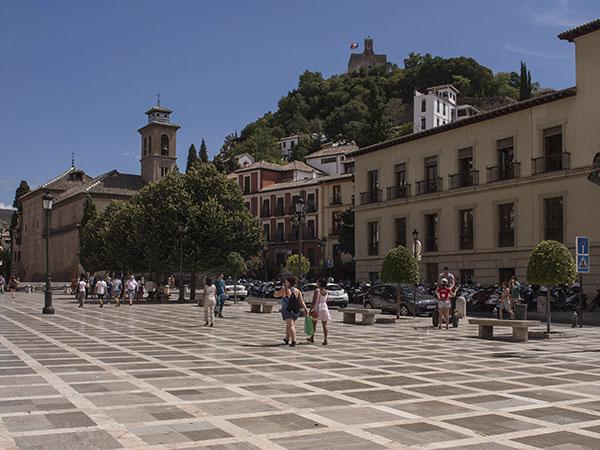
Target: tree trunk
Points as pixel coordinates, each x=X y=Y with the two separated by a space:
x=193 y=285
x=548 y=309
x=398 y=302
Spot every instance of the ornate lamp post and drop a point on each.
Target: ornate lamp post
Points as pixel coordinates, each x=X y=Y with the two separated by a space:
x=323 y=243
x=181 y=230
x=299 y=219
x=417 y=255
x=47 y=204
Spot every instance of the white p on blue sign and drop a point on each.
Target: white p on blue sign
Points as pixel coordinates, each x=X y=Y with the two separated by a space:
x=582 y=254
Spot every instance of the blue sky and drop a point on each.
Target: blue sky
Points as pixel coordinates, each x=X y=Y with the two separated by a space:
x=77 y=76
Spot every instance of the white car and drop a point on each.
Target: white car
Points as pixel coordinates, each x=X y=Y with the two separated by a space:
x=337 y=296
x=238 y=289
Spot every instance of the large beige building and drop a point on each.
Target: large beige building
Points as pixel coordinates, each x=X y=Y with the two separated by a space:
x=482 y=192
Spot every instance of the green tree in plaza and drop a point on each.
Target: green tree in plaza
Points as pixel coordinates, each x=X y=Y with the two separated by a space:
x=121 y=248
x=235 y=267
x=89 y=211
x=192 y=158
x=291 y=264
x=91 y=237
x=400 y=267
x=203 y=152
x=550 y=263
x=346 y=231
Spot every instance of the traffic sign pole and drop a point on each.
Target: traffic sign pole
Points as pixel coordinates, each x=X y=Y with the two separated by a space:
x=582 y=262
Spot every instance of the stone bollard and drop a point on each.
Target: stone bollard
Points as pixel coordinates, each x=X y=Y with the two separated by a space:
x=67 y=289
x=461 y=306
x=541 y=304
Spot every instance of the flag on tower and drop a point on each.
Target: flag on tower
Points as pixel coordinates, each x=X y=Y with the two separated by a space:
x=353 y=45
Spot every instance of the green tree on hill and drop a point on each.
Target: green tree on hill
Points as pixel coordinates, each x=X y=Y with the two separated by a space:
x=192 y=158
x=203 y=152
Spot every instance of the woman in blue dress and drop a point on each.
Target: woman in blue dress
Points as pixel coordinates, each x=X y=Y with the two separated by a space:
x=287 y=292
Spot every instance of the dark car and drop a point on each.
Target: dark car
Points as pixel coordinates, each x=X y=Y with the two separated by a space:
x=384 y=297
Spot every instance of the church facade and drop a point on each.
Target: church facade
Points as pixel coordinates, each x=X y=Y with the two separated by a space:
x=158 y=153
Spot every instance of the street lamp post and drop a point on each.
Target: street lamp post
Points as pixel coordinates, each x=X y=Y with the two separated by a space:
x=181 y=229
x=415 y=235
x=300 y=214
x=47 y=204
x=323 y=243
x=266 y=252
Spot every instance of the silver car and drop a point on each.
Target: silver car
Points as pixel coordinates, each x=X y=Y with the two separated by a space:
x=337 y=296
x=239 y=290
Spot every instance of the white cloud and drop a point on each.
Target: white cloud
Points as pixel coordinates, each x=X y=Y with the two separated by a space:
x=528 y=52
x=3 y=206
x=554 y=13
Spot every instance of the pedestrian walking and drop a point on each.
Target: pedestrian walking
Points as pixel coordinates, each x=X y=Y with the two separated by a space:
x=290 y=307
x=444 y=293
x=81 y=290
x=117 y=286
x=319 y=310
x=505 y=302
x=449 y=278
x=13 y=284
x=515 y=290
x=74 y=283
x=100 y=289
x=209 y=299
x=221 y=290
x=131 y=286
x=2 y=284
x=151 y=289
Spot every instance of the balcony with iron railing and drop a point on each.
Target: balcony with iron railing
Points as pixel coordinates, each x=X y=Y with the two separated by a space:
x=400 y=191
x=463 y=179
x=373 y=196
x=278 y=237
x=265 y=212
x=501 y=172
x=550 y=163
x=373 y=248
x=292 y=235
x=279 y=211
x=431 y=244
x=335 y=201
x=429 y=186
x=506 y=238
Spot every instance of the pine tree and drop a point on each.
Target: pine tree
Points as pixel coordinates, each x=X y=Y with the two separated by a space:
x=203 y=153
x=192 y=157
x=525 y=86
x=89 y=211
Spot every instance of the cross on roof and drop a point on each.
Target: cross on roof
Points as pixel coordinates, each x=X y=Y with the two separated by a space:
x=158 y=95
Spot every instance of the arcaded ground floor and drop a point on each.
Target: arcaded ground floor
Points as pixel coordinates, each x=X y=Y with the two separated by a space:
x=153 y=377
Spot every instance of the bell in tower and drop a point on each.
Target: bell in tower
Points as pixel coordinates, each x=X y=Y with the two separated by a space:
x=159 y=151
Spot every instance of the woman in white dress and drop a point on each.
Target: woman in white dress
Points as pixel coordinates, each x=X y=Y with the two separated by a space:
x=319 y=309
x=209 y=300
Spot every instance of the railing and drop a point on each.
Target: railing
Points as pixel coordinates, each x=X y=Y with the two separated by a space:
x=429 y=186
x=506 y=238
x=308 y=236
x=279 y=211
x=293 y=235
x=278 y=238
x=550 y=163
x=310 y=208
x=373 y=196
x=504 y=172
x=431 y=244
x=553 y=233
x=373 y=248
x=335 y=201
x=401 y=191
x=465 y=242
x=265 y=212
x=463 y=179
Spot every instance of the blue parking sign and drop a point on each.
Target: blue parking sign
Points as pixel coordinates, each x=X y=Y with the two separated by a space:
x=582 y=245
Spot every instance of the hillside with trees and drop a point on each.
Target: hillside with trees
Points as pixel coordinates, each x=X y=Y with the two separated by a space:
x=368 y=106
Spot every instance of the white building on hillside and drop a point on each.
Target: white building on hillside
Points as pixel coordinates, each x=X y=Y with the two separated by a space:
x=287 y=143
x=438 y=107
x=332 y=158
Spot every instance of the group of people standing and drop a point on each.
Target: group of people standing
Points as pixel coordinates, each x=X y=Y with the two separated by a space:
x=107 y=288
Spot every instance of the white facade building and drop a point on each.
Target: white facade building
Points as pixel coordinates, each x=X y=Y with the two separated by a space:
x=438 y=107
x=287 y=143
x=332 y=158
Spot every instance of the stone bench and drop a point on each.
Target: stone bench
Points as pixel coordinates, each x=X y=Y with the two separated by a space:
x=262 y=306
x=520 y=331
x=368 y=315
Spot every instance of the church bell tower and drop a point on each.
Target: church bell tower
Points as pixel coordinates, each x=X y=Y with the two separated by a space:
x=159 y=150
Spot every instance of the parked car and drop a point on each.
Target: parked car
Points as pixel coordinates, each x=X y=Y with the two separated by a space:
x=337 y=296
x=238 y=289
x=384 y=297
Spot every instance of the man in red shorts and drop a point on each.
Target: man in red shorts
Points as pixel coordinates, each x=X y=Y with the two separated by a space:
x=444 y=294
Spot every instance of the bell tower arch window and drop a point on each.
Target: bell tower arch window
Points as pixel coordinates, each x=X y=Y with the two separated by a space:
x=145 y=145
x=150 y=145
x=164 y=145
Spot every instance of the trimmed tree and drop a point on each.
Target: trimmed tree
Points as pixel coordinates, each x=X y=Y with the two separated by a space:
x=400 y=267
x=292 y=264
x=191 y=159
x=235 y=266
x=203 y=152
x=550 y=263
x=346 y=231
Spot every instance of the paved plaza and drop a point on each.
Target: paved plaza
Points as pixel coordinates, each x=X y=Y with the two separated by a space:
x=153 y=377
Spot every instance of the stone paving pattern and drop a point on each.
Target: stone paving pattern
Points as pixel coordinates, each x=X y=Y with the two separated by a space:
x=153 y=377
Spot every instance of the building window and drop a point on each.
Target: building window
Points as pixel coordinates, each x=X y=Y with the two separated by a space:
x=164 y=171
x=400 y=174
x=337 y=195
x=267 y=231
x=506 y=156
x=553 y=152
x=466 y=276
x=431 y=232
x=465 y=166
x=400 y=231
x=553 y=219
x=506 y=225
x=432 y=272
x=437 y=102
x=465 y=224
x=149 y=145
x=164 y=145
x=335 y=223
x=265 y=210
x=145 y=145
x=373 y=228
x=280 y=232
x=328 y=160
x=423 y=123
x=283 y=145
x=246 y=185
x=444 y=109
x=310 y=202
x=438 y=121
x=310 y=230
x=279 y=209
x=423 y=105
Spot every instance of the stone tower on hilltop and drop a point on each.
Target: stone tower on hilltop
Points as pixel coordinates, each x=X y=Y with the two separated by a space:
x=159 y=148
x=367 y=58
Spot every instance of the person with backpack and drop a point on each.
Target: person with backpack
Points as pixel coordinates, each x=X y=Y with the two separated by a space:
x=291 y=303
x=12 y=286
x=2 y=283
